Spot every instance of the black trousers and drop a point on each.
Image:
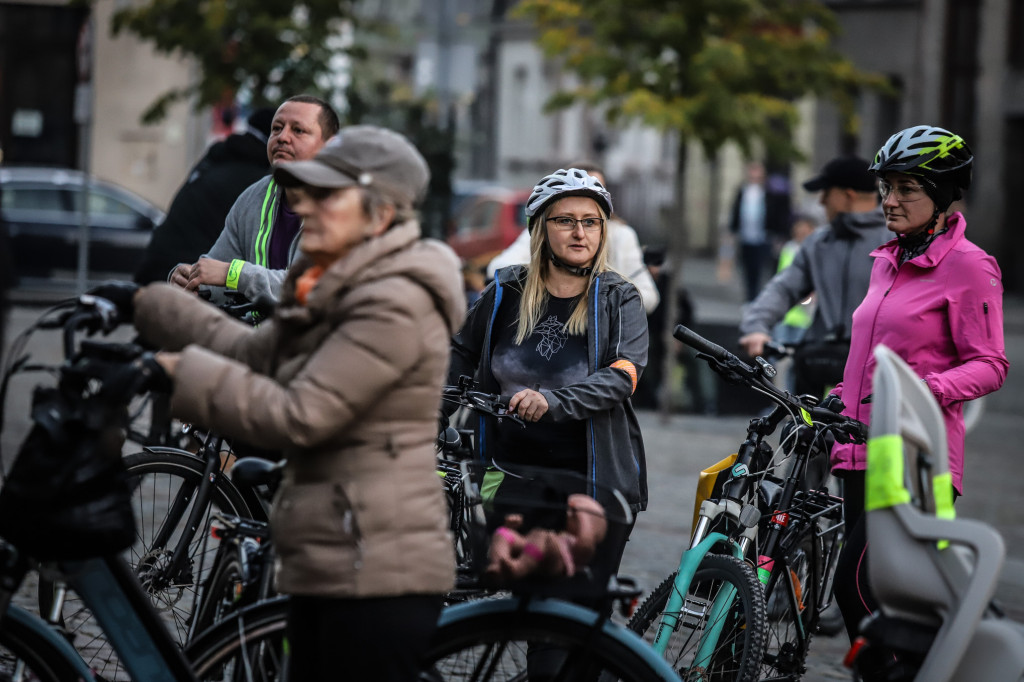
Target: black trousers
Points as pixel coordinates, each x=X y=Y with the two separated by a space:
x=852 y=587
x=380 y=638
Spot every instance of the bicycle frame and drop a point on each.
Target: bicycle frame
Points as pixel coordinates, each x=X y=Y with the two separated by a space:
x=112 y=593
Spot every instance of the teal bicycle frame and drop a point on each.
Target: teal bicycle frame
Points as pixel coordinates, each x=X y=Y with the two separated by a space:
x=110 y=590
x=688 y=565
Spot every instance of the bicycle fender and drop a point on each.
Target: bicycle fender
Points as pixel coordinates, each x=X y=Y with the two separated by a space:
x=560 y=609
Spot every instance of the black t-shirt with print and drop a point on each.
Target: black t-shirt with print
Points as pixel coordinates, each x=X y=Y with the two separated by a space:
x=549 y=358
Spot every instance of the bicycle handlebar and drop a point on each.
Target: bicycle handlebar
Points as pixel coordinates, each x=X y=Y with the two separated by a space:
x=486 y=403
x=702 y=345
x=734 y=370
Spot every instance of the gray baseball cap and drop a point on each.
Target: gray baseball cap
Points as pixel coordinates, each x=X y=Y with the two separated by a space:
x=362 y=155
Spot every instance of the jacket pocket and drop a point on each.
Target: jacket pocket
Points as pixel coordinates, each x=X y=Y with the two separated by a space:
x=316 y=522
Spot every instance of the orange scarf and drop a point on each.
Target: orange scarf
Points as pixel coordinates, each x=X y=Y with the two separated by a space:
x=306 y=281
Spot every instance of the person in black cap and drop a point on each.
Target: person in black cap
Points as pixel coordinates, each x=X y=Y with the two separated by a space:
x=834 y=264
x=197 y=213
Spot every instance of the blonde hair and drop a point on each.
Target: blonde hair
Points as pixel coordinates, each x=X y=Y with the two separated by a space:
x=535 y=293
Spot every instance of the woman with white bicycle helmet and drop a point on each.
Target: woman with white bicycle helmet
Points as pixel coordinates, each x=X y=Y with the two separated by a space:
x=934 y=298
x=566 y=337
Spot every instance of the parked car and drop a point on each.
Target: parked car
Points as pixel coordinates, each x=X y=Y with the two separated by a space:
x=42 y=210
x=483 y=225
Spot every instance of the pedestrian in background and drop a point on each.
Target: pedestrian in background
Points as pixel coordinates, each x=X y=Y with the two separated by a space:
x=936 y=300
x=197 y=213
x=759 y=224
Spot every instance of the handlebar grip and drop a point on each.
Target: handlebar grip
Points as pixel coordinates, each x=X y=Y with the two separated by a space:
x=700 y=344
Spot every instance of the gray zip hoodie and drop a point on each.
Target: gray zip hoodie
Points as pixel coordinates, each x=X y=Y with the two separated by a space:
x=834 y=263
x=255 y=212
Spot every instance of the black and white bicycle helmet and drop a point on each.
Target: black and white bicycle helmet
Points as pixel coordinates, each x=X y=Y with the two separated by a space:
x=566 y=183
x=930 y=152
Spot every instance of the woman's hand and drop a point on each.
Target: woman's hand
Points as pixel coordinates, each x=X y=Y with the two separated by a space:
x=530 y=405
x=168 y=361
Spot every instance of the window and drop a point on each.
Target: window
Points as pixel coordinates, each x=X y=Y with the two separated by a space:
x=25 y=198
x=102 y=203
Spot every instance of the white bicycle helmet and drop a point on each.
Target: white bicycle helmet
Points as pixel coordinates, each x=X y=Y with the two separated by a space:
x=566 y=183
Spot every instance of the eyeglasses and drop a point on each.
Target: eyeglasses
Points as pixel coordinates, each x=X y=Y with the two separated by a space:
x=904 y=193
x=564 y=222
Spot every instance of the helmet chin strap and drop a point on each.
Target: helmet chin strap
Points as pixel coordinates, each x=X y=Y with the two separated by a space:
x=915 y=244
x=572 y=269
x=576 y=270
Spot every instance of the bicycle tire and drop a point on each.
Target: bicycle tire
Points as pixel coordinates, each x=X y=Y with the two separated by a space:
x=162 y=472
x=792 y=600
x=26 y=655
x=223 y=592
x=249 y=641
x=488 y=640
x=739 y=653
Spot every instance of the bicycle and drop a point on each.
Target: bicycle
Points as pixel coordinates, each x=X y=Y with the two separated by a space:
x=788 y=531
x=66 y=507
x=177 y=492
x=250 y=643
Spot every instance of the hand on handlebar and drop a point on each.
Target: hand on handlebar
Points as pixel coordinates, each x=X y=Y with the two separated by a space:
x=754 y=342
x=121 y=294
x=529 y=404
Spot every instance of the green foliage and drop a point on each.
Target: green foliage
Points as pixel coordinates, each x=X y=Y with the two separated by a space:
x=713 y=70
x=271 y=48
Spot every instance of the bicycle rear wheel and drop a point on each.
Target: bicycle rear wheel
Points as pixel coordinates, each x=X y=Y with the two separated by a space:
x=247 y=645
x=547 y=640
x=164 y=485
x=737 y=655
x=792 y=601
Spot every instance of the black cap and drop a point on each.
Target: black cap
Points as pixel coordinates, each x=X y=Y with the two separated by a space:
x=848 y=172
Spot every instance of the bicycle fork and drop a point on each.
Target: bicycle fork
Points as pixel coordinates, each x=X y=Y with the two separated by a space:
x=674 y=610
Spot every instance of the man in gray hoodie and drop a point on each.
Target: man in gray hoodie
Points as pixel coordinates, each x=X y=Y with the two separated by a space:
x=261 y=233
x=834 y=264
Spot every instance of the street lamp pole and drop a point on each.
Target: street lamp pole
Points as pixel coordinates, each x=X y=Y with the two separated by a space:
x=83 y=117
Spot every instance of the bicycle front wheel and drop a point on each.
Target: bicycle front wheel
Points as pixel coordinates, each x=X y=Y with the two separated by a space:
x=736 y=654
x=546 y=639
x=164 y=486
x=27 y=655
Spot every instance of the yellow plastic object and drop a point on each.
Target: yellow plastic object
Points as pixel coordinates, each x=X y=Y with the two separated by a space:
x=708 y=484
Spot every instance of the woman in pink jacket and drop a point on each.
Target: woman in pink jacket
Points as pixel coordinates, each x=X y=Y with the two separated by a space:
x=934 y=298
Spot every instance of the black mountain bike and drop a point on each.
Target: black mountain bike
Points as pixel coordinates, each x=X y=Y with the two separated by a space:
x=789 y=532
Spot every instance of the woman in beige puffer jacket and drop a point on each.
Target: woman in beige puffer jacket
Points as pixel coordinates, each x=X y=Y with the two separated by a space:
x=345 y=381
